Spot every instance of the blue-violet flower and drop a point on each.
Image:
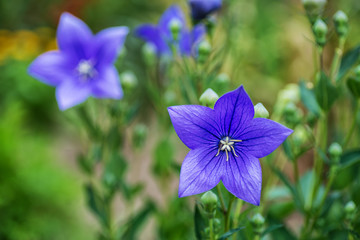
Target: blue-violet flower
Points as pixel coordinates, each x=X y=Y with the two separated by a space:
x=200 y=9
x=225 y=144
x=162 y=38
x=83 y=65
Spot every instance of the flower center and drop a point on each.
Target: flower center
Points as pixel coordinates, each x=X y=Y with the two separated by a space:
x=86 y=69
x=227 y=145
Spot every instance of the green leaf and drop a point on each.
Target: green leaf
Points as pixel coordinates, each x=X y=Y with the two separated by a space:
x=348 y=61
x=291 y=187
x=354 y=86
x=229 y=233
x=325 y=92
x=96 y=204
x=308 y=99
x=133 y=225
x=271 y=228
x=198 y=222
x=350 y=158
x=85 y=164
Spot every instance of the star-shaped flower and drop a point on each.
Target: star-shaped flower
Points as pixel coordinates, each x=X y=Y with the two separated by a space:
x=161 y=37
x=83 y=65
x=225 y=144
x=200 y=9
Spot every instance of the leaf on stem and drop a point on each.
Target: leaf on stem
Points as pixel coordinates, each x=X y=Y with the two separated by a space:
x=348 y=61
x=229 y=233
x=325 y=92
x=308 y=99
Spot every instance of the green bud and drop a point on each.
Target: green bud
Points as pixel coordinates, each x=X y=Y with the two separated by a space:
x=209 y=98
x=314 y=8
x=335 y=151
x=341 y=23
x=320 y=30
x=258 y=222
x=217 y=225
x=204 y=50
x=128 y=80
x=300 y=135
x=293 y=115
x=350 y=207
x=149 y=53
x=261 y=111
x=139 y=135
x=209 y=200
x=175 y=26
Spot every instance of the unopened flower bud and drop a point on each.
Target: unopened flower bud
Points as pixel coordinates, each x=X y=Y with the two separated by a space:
x=341 y=23
x=314 y=8
x=320 y=30
x=209 y=200
x=217 y=225
x=350 y=207
x=175 y=26
x=261 y=111
x=300 y=135
x=209 y=98
x=128 y=80
x=149 y=53
x=293 y=115
x=139 y=135
x=204 y=50
x=335 y=151
x=258 y=223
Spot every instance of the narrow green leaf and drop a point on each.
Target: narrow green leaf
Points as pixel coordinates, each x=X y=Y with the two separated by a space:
x=350 y=158
x=198 y=222
x=271 y=228
x=291 y=187
x=135 y=223
x=354 y=86
x=348 y=61
x=308 y=99
x=325 y=92
x=96 y=204
x=229 y=233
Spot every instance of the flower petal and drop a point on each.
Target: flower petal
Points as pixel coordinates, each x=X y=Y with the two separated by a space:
x=195 y=125
x=200 y=171
x=234 y=111
x=185 y=43
x=262 y=137
x=150 y=33
x=74 y=36
x=109 y=43
x=201 y=8
x=51 y=67
x=173 y=12
x=69 y=94
x=243 y=177
x=108 y=84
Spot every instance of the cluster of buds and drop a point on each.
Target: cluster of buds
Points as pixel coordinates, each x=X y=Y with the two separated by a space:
x=257 y=223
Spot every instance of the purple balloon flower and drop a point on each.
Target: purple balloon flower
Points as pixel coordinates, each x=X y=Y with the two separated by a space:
x=83 y=65
x=161 y=37
x=200 y=9
x=225 y=144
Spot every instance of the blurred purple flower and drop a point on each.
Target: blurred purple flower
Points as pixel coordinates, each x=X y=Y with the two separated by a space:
x=200 y=9
x=83 y=65
x=161 y=37
x=225 y=144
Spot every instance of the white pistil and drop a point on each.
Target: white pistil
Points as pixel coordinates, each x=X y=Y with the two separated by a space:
x=227 y=145
x=86 y=69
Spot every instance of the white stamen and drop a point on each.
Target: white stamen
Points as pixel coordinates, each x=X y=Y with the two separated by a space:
x=86 y=69
x=227 y=145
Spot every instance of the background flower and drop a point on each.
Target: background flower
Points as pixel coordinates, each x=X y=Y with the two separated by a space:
x=225 y=144
x=162 y=38
x=200 y=9
x=83 y=65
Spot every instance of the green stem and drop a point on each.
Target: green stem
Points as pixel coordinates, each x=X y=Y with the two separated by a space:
x=228 y=214
x=239 y=204
x=353 y=124
x=211 y=228
x=337 y=60
x=222 y=202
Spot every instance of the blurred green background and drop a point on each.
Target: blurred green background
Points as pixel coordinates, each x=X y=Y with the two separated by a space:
x=41 y=194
